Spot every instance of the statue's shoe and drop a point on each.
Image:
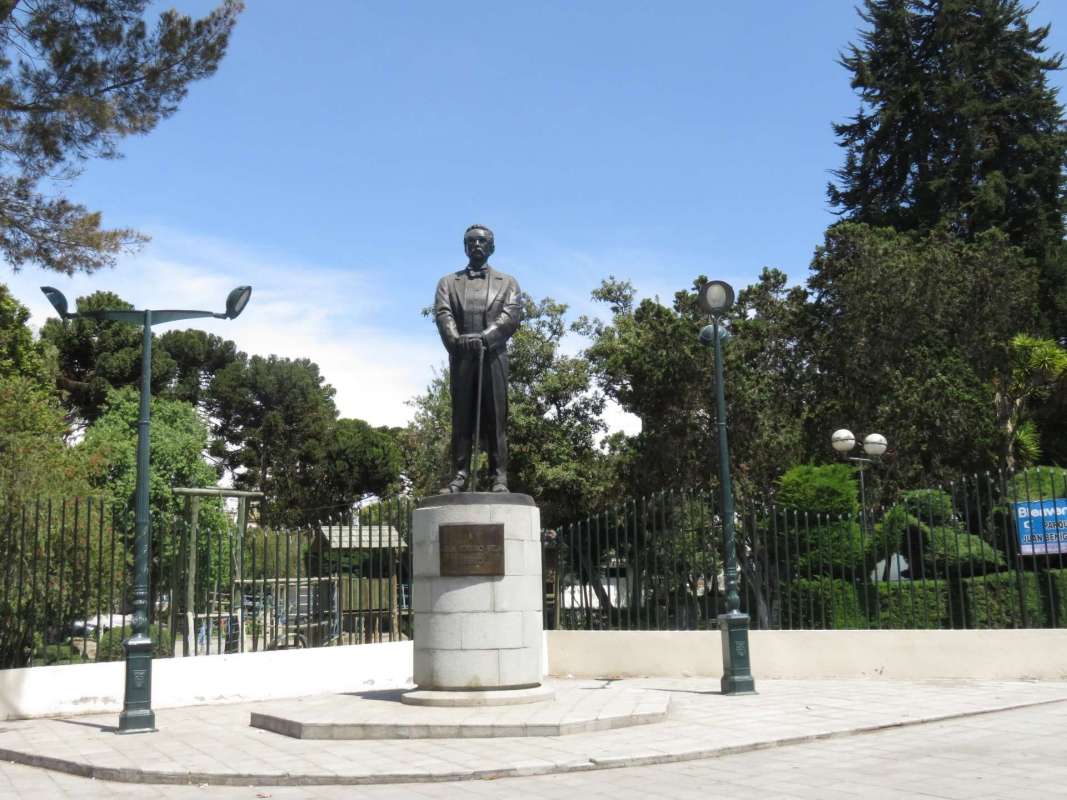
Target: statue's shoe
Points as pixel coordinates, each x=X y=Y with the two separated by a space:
x=500 y=488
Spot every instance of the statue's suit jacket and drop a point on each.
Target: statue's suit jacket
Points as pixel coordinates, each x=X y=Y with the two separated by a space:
x=503 y=314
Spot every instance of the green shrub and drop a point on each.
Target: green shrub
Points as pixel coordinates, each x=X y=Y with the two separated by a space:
x=111 y=649
x=908 y=604
x=1037 y=483
x=992 y=601
x=950 y=551
x=922 y=526
x=60 y=653
x=1055 y=584
x=837 y=549
x=826 y=489
x=929 y=506
x=824 y=603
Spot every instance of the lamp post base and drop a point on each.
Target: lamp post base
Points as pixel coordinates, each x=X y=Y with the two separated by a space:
x=736 y=672
x=137 y=715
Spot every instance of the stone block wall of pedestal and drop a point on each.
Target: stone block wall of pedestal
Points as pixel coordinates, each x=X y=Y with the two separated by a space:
x=478 y=631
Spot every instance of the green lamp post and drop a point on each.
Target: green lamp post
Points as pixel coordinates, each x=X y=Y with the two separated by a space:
x=716 y=298
x=137 y=714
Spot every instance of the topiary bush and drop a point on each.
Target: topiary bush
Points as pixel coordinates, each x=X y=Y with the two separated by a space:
x=992 y=601
x=923 y=527
x=929 y=506
x=906 y=605
x=1036 y=483
x=111 y=649
x=837 y=549
x=1054 y=584
x=951 y=551
x=823 y=602
x=826 y=489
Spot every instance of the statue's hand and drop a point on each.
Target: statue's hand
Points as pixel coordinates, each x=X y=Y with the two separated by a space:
x=470 y=342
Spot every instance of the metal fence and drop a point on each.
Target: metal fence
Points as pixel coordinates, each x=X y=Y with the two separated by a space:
x=986 y=551
x=217 y=586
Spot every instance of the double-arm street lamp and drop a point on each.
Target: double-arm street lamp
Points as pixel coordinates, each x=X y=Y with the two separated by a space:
x=137 y=714
x=716 y=298
x=874 y=445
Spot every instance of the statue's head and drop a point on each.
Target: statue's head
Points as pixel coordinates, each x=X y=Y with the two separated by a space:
x=478 y=243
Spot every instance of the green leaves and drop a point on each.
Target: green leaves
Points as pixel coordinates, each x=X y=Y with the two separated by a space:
x=958 y=126
x=178 y=439
x=76 y=79
x=830 y=489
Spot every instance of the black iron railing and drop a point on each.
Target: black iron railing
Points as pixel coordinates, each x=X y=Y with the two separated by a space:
x=986 y=551
x=216 y=587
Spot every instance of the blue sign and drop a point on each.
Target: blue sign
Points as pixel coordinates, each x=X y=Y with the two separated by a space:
x=1042 y=526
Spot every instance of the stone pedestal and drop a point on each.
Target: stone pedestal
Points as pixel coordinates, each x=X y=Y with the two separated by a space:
x=477 y=596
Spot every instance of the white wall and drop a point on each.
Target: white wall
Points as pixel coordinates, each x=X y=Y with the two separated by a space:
x=86 y=688
x=800 y=655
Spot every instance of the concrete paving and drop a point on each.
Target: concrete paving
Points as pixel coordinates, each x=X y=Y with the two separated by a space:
x=215 y=747
x=384 y=715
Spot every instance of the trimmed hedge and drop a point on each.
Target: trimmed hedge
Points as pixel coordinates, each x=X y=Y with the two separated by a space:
x=836 y=549
x=823 y=603
x=929 y=506
x=992 y=601
x=1037 y=483
x=1053 y=585
x=951 y=550
x=908 y=604
x=111 y=648
x=823 y=489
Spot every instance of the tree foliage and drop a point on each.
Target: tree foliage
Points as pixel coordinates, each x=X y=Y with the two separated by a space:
x=905 y=335
x=359 y=460
x=196 y=357
x=554 y=421
x=96 y=357
x=33 y=458
x=272 y=419
x=178 y=439
x=75 y=77
x=958 y=126
x=647 y=359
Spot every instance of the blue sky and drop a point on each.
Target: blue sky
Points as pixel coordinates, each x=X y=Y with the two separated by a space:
x=338 y=154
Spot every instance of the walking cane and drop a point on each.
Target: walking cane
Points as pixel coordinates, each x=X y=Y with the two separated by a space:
x=477 y=421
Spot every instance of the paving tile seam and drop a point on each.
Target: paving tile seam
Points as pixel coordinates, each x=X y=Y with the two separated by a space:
x=152 y=777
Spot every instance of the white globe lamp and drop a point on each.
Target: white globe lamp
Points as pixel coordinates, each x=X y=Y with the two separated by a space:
x=874 y=444
x=843 y=440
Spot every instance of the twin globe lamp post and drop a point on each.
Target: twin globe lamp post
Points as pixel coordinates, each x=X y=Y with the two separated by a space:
x=874 y=445
x=137 y=714
x=715 y=299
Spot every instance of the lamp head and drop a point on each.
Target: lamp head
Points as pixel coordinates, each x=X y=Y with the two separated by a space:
x=58 y=301
x=716 y=297
x=237 y=301
x=707 y=335
x=842 y=440
x=874 y=444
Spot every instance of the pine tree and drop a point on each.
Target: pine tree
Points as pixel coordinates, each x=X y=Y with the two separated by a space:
x=75 y=77
x=958 y=124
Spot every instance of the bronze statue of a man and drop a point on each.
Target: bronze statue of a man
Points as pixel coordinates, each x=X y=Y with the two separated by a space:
x=477 y=310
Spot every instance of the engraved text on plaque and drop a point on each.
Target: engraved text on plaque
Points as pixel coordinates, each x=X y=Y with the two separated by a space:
x=476 y=549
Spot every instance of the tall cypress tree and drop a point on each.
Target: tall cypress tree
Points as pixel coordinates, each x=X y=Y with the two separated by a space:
x=957 y=123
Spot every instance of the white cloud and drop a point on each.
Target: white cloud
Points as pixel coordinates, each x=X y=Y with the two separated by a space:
x=298 y=310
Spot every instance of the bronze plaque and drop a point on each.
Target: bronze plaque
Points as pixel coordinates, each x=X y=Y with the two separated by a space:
x=472 y=549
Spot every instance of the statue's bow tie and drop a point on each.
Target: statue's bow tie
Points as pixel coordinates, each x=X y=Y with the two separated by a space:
x=476 y=273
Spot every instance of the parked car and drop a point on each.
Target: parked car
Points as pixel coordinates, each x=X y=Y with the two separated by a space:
x=105 y=622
